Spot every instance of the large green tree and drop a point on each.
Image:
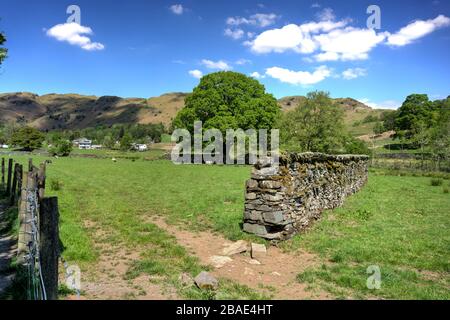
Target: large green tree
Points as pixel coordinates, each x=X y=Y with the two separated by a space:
x=316 y=125
x=229 y=100
x=416 y=114
x=28 y=138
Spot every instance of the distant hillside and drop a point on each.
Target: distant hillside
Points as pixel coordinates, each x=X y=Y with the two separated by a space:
x=72 y=111
x=354 y=113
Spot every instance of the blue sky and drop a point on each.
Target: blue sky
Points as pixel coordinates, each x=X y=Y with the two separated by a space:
x=140 y=48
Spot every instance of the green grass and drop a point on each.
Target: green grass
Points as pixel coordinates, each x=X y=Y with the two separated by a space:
x=397 y=223
x=151 y=154
x=122 y=198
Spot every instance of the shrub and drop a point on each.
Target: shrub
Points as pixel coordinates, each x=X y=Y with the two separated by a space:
x=445 y=190
x=62 y=148
x=436 y=182
x=55 y=185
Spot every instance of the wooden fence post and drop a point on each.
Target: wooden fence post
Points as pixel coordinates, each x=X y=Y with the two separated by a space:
x=41 y=180
x=12 y=196
x=24 y=238
x=30 y=165
x=49 y=245
x=3 y=172
x=8 y=183
x=19 y=181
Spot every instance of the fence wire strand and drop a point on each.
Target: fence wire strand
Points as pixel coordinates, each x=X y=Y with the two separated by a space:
x=36 y=287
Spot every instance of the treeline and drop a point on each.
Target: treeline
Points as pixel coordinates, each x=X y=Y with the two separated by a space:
x=422 y=124
x=120 y=136
x=110 y=136
x=317 y=125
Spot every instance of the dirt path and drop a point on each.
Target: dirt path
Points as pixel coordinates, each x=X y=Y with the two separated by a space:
x=7 y=251
x=277 y=272
x=106 y=279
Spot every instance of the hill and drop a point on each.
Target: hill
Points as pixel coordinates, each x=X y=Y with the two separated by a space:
x=73 y=111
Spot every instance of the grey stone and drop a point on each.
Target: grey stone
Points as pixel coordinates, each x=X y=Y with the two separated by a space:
x=273 y=198
x=206 y=281
x=253 y=215
x=264 y=162
x=264 y=173
x=259 y=251
x=255 y=229
x=268 y=184
x=264 y=208
x=235 y=248
x=252 y=184
x=275 y=217
x=250 y=196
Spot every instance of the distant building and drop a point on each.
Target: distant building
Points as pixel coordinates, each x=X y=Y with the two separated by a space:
x=4 y=146
x=83 y=143
x=140 y=147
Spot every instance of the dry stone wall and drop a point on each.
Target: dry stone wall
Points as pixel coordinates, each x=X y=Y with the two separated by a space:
x=283 y=200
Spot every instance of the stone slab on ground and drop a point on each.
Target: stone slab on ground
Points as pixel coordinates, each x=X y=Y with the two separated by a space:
x=219 y=261
x=235 y=248
x=259 y=251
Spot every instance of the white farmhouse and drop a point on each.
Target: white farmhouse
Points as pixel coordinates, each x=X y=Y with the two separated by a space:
x=140 y=147
x=83 y=143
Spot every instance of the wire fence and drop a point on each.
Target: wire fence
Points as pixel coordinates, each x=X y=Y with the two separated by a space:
x=38 y=236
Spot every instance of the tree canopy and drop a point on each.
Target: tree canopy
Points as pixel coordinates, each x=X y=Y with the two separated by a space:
x=417 y=112
x=3 y=51
x=317 y=125
x=28 y=138
x=229 y=100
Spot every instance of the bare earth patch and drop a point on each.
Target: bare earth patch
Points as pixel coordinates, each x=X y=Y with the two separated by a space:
x=277 y=272
x=106 y=279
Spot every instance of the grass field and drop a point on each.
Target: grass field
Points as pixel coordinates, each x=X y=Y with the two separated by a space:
x=399 y=223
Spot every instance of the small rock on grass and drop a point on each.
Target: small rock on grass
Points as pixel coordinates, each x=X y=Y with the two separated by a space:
x=259 y=251
x=235 y=248
x=219 y=261
x=206 y=281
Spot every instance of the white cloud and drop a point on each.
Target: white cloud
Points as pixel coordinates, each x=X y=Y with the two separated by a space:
x=76 y=35
x=218 y=65
x=327 y=14
x=177 y=9
x=348 y=44
x=350 y=74
x=417 y=30
x=299 y=77
x=242 y=62
x=260 y=20
x=257 y=75
x=235 y=34
x=315 y=5
x=387 y=104
x=330 y=40
x=294 y=37
x=196 y=74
